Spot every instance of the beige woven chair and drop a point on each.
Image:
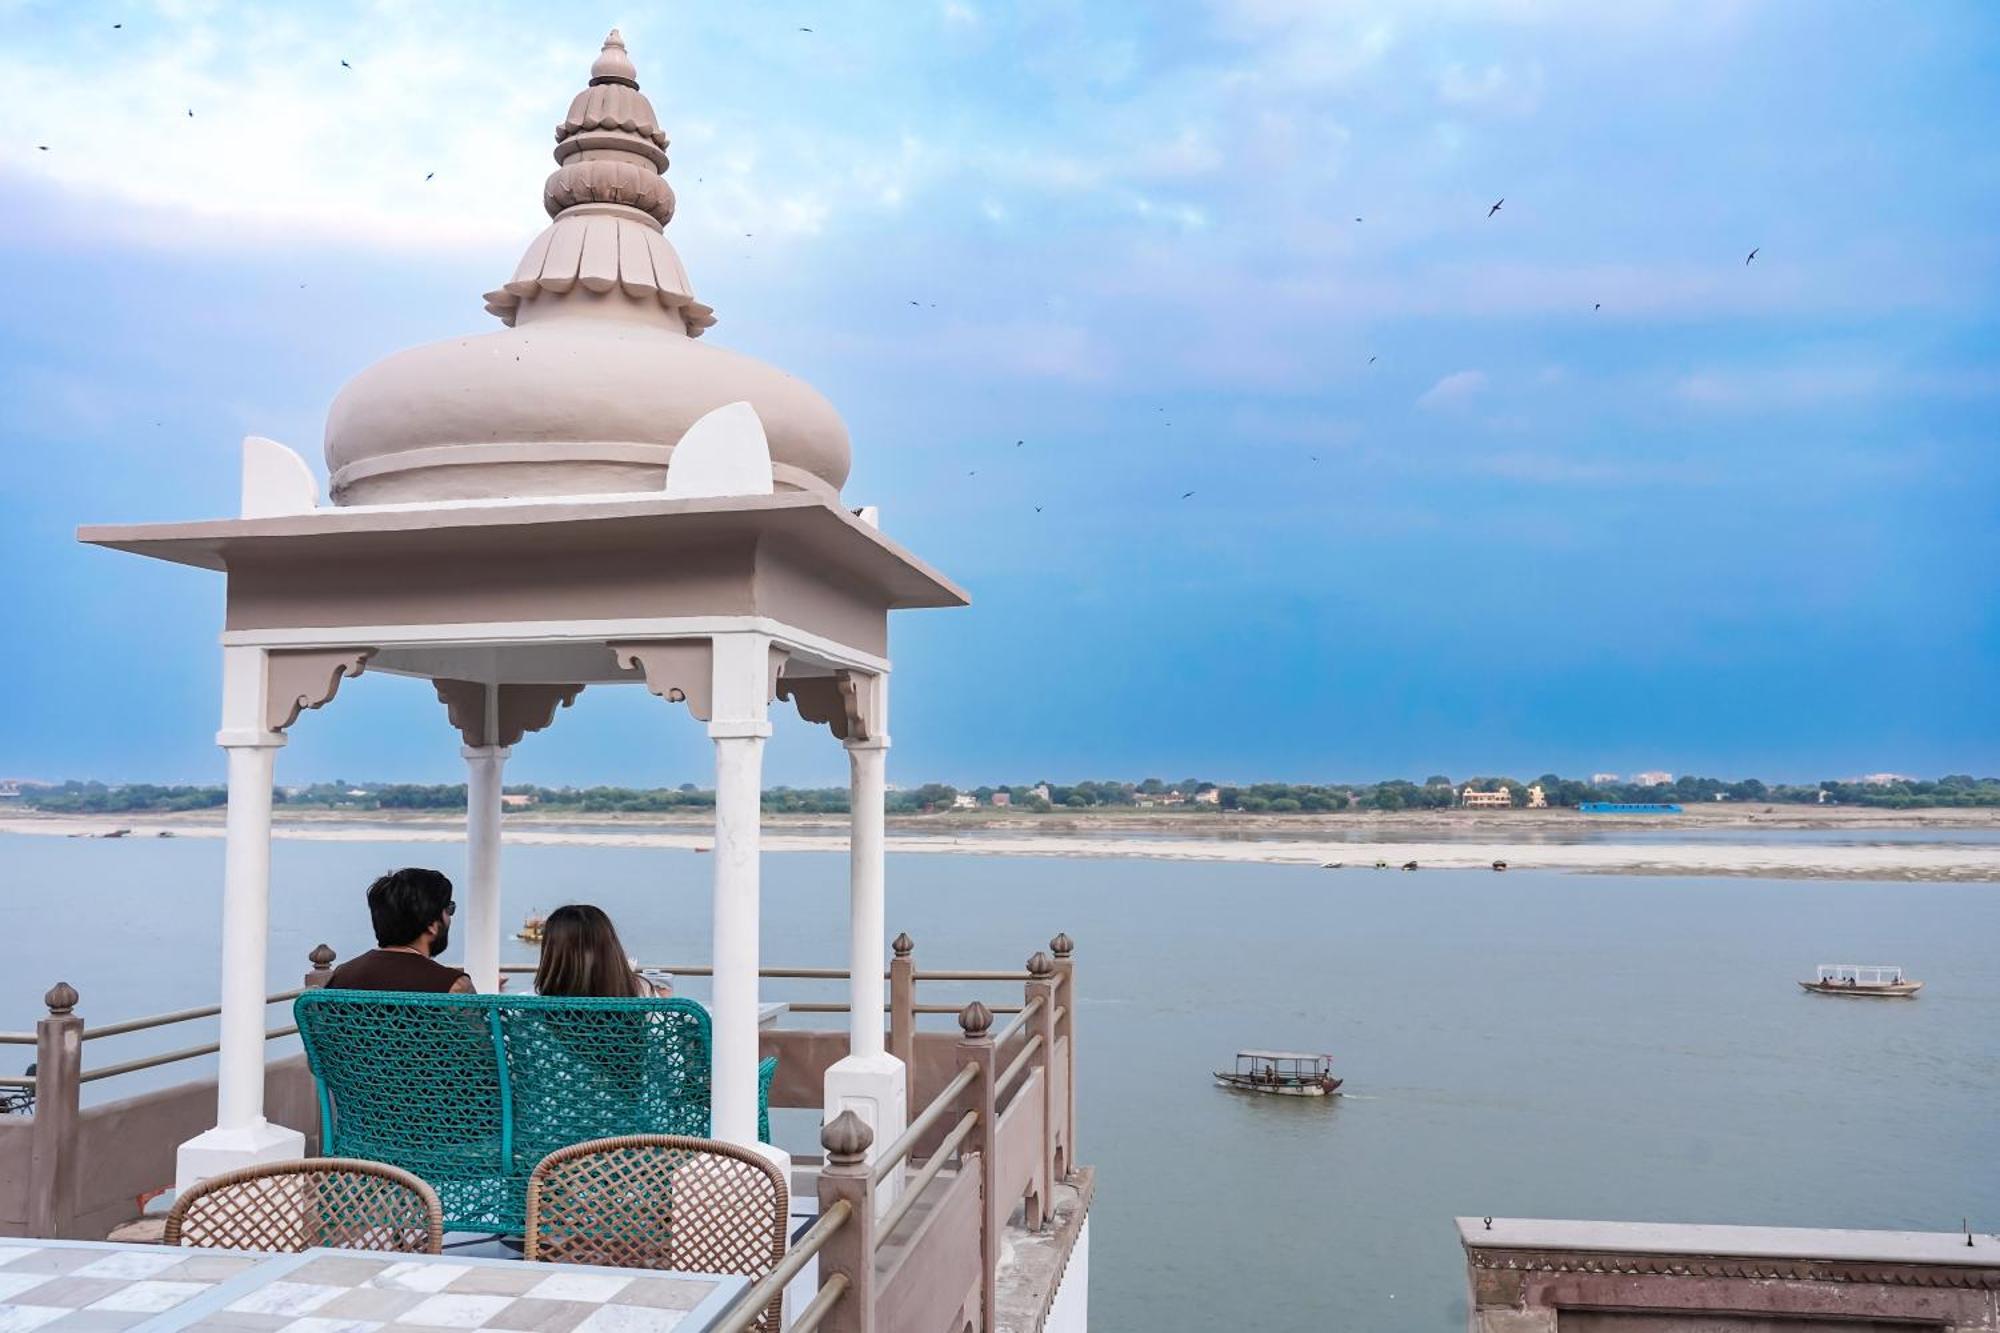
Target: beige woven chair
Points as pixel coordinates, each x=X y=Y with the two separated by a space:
x=660 y=1201
x=335 y=1202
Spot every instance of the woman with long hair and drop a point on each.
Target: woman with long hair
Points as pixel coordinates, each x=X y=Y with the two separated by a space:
x=581 y=956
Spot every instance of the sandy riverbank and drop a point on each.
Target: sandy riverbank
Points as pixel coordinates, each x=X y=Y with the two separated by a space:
x=1912 y=845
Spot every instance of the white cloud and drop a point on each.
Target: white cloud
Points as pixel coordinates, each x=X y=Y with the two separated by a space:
x=1453 y=390
x=1494 y=87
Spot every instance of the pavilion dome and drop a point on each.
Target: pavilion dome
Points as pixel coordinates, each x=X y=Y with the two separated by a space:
x=597 y=373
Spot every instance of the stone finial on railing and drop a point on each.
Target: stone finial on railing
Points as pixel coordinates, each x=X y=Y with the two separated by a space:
x=1039 y=965
x=1061 y=946
x=321 y=958
x=903 y=945
x=975 y=1019
x=846 y=1138
x=61 y=999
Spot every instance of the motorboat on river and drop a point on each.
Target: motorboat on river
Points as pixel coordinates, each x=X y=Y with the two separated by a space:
x=1882 y=983
x=1282 y=1074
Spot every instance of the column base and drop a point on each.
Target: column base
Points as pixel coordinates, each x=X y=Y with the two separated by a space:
x=215 y=1151
x=872 y=1087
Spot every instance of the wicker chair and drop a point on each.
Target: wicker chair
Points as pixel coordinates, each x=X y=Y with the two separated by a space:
x=660 y=1201
x=334 y=1202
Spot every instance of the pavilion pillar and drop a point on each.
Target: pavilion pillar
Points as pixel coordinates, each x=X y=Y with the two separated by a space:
x=483 y=765
x=242 y=1137
x=868 y=1081
x=739 y=724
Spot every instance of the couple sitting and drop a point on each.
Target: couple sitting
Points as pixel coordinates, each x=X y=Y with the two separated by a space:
x=412 y=909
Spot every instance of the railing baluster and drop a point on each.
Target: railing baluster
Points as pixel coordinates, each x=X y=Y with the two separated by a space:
x=1064 y=950
x=1041 y=997
x=53 y=1140
x=976 y=1047
x=849 y=1254
x=903 y=1012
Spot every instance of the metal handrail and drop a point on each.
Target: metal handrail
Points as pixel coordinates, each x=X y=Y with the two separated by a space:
x=959 y=1008
x=708 y=970
x=915 y=1188
x=974 y=976
x=168 y=1058
x=830 y=1292
x=892 y=1156
x=177 y=1016
x=1021 y=1017
x=749 y=1307
x=1013 y=1071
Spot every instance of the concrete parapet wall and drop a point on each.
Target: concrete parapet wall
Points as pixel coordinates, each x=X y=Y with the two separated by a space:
x=1530 y=1276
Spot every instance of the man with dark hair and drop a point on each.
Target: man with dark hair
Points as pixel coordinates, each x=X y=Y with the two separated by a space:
x=411 y=909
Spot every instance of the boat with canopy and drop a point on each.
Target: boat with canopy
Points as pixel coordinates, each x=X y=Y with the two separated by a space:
x=1878 y=982
x=1281 y=1074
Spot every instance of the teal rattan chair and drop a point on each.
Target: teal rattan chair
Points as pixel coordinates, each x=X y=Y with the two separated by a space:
x=470 y=1092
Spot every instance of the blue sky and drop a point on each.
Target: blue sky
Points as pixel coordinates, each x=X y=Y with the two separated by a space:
x=1738 y=520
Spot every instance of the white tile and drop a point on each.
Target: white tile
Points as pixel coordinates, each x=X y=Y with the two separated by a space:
x=21 y=1318
x=11 y=1253
x=630 y=1319
x=292 y=1298
x=151 y=1297
x=131 y=1264
x=314 y=1324
x=598 y=1287
x=13 y=1284
x=454 y=1310
x=419 y=1277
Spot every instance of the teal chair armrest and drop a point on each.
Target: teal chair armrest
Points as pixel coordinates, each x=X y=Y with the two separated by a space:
x=767 y=1069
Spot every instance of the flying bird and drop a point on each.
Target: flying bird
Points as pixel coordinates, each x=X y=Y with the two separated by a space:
x=43 y=147
x=1371 y=360
x=1496 y=206
x=1357 y=219
x=429 y=174
x=190 y=113
x=913 y=303
x=1752 y=255
x=345 y=65
x=117 y=25
x=1598 y=306
x=805 y=29
x=1017 y=444
x=1038 y=509
x=1187 y=495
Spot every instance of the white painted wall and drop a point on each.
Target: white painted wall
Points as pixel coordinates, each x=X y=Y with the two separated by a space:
x=1070 y=1312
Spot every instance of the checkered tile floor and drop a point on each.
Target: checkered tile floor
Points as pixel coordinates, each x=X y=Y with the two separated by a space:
x=91 y=1290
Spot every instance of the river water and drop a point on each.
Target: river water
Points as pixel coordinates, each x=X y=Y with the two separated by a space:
x=1524 y=1044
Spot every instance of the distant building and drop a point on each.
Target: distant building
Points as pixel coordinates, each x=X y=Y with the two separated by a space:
x=1652 y=779
x=10 y=790
x=518 y=800
x=1041 y=793
x=1536 y=799
x=1001 y=798
x=1881 y=779
x=1208 y=796
x=1473 y=799
x=965 y=800
x=1599 y=779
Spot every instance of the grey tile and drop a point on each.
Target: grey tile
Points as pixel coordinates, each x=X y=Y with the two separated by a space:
x=73 y=1293
x=512 y=1280
x=370 y=1303
x=236 y=1321
x=666 y=1293
x=98 y=1321
x=55 y=1261
x=339 y=1270
x=211 y=1266
x=542 y=1316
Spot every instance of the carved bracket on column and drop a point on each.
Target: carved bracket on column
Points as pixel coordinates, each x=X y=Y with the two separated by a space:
x=522 y=708
x=678 y=670
x=839 y=700
x=298 y=679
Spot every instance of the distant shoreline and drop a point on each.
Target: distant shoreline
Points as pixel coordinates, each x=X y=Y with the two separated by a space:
x=1526 y=840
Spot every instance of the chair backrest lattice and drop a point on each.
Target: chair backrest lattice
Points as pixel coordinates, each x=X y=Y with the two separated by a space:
x=660 y=1201
x=325 y=1202
x=470 y=1092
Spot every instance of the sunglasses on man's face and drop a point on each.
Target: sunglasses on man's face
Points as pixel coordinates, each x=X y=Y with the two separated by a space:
x=450 y=907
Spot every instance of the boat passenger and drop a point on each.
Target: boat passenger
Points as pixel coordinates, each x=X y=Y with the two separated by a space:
x=411 y=911
x=581 y=956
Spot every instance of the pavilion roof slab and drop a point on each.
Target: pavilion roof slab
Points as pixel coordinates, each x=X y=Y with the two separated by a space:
x=805 y=523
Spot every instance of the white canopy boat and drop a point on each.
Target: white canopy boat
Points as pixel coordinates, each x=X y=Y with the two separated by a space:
x=1862 y=980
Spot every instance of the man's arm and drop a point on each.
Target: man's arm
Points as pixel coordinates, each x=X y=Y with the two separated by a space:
x=463 y=986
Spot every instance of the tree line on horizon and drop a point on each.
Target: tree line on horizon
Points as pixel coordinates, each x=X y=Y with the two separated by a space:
x=1436 y=792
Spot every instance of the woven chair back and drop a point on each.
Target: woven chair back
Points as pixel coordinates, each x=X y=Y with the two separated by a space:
x=325 y=1202
x=661 y=1201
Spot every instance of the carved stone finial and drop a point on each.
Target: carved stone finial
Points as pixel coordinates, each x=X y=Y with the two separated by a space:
x=321 y=957
x=903 y=945
x=614 y=64
x=1039 y=965
x=61 y=999
x=846 y=1138
x=975 y=1018
x=1061 y=946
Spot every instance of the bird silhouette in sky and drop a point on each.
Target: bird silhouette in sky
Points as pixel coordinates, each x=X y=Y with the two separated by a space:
x=1752 y=255
x=345 y=65
x=42 y=147
x=1371 y=360
x=190 y=113
x=1017 y=444
x=429 y=174
x=913 y=303
x=1496 y=206
x=1598 y=306
x=1038 y=509
x=1357 y=219
x=117 y=25
x=805 y=29
x=1187 y=495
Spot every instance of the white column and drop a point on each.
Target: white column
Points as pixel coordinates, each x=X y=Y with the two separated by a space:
x=242 y=1137
x=480 y=912
x=868 y=1080
x=739 y=725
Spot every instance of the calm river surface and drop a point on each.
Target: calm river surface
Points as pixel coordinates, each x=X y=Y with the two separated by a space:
x=1523 y=1044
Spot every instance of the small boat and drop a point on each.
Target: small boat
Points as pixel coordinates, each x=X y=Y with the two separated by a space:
x=1861 y=980
x=1409 y=865
x=531 y=929
x=1499 y=865
x=1281 y=1074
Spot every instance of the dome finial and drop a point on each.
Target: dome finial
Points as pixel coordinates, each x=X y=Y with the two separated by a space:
x=613 y=65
